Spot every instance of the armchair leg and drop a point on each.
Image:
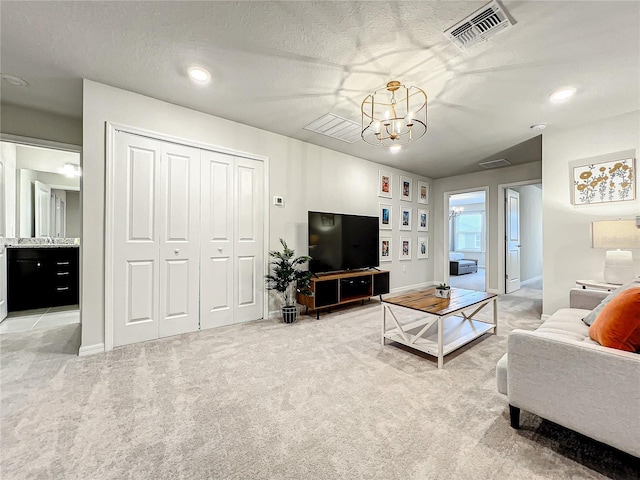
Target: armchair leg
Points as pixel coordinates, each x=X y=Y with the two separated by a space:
x=514 y=415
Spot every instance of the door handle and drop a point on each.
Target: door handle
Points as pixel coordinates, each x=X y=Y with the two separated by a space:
x=220 y=249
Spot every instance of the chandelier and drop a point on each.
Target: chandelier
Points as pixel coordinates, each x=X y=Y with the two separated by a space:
x=394 y=115
x=455 y=212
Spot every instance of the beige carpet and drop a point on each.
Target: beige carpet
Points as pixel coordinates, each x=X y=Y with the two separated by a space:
x=313 y=400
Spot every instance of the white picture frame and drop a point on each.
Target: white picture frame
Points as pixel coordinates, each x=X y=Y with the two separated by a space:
x=405 y=248
x=422 y=250
x=385 y=184
x=423 y=192
x=386 y=249
x=423 y=220
x=602 y=182
x=405 y=218
x=406 y=185
x=385 y=217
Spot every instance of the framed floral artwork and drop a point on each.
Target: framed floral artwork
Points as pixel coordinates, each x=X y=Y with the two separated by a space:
x=385 y=217
x=604 y=182
x=405 y=218
x=384 y=184
x=405 y=188
x=423 y=192
x=385 y=249
x=405 y=248
x=423 y=247
x=423 y=220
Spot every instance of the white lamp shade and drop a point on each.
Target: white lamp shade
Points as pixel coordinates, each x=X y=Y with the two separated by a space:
x=618 y=267
x=613 y=234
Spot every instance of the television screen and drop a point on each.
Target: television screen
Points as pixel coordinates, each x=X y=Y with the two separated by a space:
x=342 y=242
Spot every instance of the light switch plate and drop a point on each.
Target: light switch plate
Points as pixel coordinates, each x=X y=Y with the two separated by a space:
x=278 y=201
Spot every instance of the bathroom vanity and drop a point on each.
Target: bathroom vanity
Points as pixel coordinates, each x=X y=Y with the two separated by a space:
x=42 y=275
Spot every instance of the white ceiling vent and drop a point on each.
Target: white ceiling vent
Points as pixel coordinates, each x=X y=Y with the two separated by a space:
x=501 y=162
x=336 y=127
x=479 y=26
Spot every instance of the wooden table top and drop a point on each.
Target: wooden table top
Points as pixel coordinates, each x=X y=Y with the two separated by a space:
x=426 y=300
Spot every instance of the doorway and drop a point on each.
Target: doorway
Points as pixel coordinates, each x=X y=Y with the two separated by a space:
x=520 y=254
x=467 y=239
x=41 y=197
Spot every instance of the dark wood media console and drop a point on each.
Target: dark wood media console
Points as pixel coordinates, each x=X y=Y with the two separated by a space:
x=334 y=289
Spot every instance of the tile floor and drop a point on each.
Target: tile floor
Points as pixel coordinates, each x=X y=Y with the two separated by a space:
x=40 y=318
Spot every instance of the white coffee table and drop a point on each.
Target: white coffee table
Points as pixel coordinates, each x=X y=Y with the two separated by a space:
x=446 y=325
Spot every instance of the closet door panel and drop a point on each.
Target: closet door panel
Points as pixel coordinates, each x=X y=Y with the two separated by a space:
x=136 y=162
x=249 y=249
x=216 y=244
x=179 y=243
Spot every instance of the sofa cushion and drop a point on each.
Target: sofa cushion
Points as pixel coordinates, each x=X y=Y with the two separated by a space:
x=566 y=324
x=618 y=324
x=591 y=317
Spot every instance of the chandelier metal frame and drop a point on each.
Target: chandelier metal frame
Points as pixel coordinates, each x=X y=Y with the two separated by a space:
x=394 y=115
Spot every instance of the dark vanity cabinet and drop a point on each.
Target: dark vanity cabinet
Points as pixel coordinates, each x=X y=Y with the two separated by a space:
x=42 y=277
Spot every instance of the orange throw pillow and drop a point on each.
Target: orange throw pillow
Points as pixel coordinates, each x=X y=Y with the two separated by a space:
x=618 y=325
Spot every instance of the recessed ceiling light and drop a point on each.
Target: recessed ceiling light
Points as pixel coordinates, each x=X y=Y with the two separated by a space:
x=538 y=126
x=562 y=94
x=199 y=75
x=395 y=148
x=15 y=81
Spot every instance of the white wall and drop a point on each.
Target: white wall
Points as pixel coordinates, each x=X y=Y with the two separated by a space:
x=8 y=153
x=490 y=178
x=566 y=228
x=530 y=231
x=73 y=214
x=307 y=176
x=27 y=122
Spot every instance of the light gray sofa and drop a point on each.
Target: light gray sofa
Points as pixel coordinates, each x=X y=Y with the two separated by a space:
x=558 y=373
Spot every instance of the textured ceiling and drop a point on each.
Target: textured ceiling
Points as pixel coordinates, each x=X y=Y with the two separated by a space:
x=280 y=65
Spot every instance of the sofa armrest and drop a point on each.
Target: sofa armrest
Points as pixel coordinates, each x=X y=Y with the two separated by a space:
x=475 y=260
x=588 y=388
x=586 y=299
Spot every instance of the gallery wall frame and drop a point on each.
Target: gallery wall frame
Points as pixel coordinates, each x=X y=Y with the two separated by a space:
x=406 y=185
x=405 y=218
x=423 y=248
x=385 y=184
x=423 y=192
x=423 y=220
x=405 y=248
x=386 y=249
x=385 y=216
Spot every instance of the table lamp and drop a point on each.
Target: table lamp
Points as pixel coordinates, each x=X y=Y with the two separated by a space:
x=616 y=235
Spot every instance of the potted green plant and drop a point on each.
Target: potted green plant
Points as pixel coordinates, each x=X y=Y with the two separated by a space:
x=443 y=291
x=287 y=279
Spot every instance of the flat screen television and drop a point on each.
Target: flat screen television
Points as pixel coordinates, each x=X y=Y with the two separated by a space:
x=342 y=242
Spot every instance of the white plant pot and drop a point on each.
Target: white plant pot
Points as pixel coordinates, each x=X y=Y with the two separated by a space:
x=443 y=293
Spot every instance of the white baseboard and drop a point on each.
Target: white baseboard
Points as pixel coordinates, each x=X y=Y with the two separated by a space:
x=493 y=290
x=531 y=280
x=86 y=350
x=544 y=316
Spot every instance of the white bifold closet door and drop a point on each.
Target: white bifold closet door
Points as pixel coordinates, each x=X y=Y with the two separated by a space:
x=156 y=255
x=231 y=246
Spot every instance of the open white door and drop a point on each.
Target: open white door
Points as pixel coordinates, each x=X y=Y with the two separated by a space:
x=43 y=209
x=512 y=260
x=3 y=249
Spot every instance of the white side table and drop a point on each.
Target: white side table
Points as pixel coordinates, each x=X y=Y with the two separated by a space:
x=596 y=285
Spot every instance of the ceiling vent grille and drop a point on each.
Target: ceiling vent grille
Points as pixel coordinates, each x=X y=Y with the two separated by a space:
x=501 y=162
x=336 y=127
x=479 y=26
